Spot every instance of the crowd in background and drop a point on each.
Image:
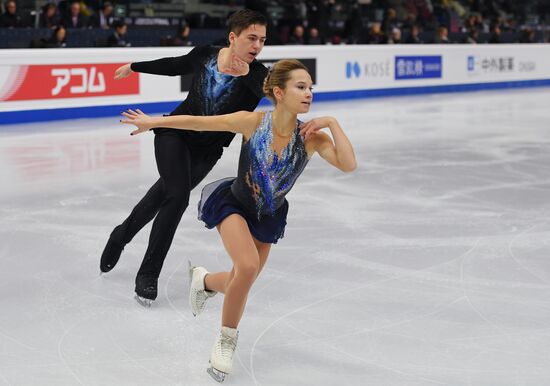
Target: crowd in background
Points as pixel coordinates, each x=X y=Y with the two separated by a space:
x=313 y=21
x=409 y=21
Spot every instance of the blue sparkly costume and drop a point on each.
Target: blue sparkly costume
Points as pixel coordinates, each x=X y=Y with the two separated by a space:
x=263 y=180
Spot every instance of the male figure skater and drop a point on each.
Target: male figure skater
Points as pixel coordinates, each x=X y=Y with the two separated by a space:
x=225 y=80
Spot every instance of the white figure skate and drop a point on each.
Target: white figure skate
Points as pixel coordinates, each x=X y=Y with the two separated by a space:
x=198 y=295
x=221 y=359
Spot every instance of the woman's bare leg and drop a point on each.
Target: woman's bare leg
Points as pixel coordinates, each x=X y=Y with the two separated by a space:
x=218 y=281
x=243 y=250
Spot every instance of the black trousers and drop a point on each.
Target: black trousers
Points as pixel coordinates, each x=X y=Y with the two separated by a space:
x=181 y=169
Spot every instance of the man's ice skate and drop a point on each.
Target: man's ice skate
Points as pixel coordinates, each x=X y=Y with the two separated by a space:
x=110 y=256
x=143 y=301
x=221 y=359
x=146 y=290
x=198 y=295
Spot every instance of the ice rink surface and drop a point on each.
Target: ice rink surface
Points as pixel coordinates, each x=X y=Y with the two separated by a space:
x=429 y=265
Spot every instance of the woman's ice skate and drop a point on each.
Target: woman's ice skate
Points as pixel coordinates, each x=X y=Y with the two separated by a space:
x=221 y=359
x=198 y=295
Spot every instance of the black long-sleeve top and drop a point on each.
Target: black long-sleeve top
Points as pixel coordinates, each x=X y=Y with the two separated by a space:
x=211 y=92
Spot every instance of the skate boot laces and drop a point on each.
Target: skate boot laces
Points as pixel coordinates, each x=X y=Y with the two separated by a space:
x=198 y=295
x=224 y=350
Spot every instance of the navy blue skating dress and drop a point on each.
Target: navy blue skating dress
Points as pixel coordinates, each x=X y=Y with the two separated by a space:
x=263 y=180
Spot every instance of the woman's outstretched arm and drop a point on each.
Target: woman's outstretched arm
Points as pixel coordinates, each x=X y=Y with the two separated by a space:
x=338 y=153
x=240 y=122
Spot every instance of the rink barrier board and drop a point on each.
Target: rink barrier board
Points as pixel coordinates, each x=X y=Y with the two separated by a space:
x=53 y=114
x=46 y=85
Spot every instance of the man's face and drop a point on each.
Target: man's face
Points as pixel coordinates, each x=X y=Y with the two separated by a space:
x=122 y=30
x=249 y=43
x=75 y=9
x=11 y=7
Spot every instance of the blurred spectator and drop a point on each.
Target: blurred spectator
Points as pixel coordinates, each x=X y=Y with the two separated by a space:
x=414 y=36
x=118 y=38
x=314 y=37
x=395 y=37
x=181 y=38
x=104 y=18
x=354 y=25
x=337 y=19
x=475 y=21
x=75 y=18
x=375 y=35
x=50 y=16
x=481 y=24
x=336 y=39
x=495 y=34
x=473 y=36
x=319 y=21
x=390 y=22
x=469 y=23
x=297 y=36
x=442 y=36
x=319 y=14
x=10 y=18
x=527 y=35
x=57 y=39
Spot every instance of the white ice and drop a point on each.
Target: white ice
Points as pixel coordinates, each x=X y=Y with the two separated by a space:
x=429 y=265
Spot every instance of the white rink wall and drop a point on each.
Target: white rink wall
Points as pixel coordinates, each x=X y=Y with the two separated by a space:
x=38 y=85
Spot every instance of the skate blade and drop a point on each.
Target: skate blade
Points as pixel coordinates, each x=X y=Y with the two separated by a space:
x=218 y=376
x=143 y=301
x=190 y=268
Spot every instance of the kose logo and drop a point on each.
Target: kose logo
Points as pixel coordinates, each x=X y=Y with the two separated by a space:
x=353 y=69
x=368 y=70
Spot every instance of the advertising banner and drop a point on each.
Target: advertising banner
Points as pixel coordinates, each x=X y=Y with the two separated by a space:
x=37 y=82
x=81 y=82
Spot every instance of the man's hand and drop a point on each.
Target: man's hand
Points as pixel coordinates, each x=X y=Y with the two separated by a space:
x=237 y=67
x=123 y=71
x=142 y=121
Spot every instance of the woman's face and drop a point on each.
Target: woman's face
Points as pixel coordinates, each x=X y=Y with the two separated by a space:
x=297 y=95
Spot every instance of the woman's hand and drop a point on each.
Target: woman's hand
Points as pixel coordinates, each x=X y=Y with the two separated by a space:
x=311 y=128
x=123 y=71
x=142 y=121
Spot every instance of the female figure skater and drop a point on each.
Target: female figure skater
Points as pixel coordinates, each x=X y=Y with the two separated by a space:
x=250 y=210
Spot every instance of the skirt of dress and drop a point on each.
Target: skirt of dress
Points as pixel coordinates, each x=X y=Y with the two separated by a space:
x=218 y=202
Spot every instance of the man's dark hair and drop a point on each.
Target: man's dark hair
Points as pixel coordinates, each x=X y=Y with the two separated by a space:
x=119 y=24
x=243 y=19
